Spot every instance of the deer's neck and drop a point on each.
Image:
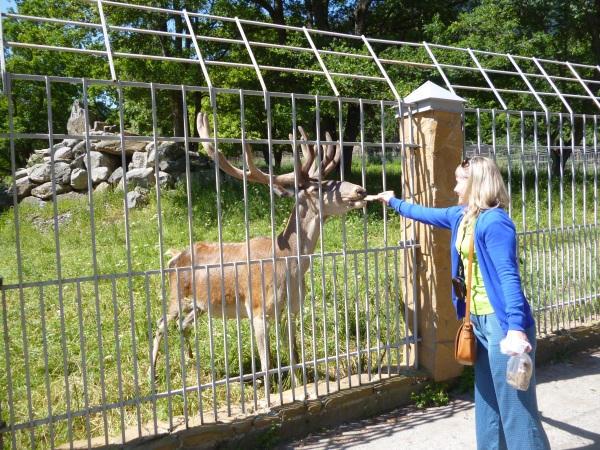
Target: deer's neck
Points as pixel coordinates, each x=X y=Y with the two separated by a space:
x=302 y=226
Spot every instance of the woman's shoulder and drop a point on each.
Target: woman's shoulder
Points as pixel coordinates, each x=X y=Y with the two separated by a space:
x=494 y=217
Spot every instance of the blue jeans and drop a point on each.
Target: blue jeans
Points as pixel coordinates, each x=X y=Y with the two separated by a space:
x=505 y=418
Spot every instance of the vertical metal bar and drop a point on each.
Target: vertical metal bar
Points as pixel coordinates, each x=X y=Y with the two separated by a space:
x=344 y=240
x=47 y=369
x=211 y=341
x=274 y=246
x=194 y=299
x=583 y=286
x=160 y=246
x=365 y=245
x=117 y=357
x=357 y=319
x=321 y=63
x=8 y=93
x=595 y=234
x=541 y=274
x=186 y=135
x=84 y=366
x=209 y=301
x=523 y=200
x=508 y=162
x=107 y=41
x=58 y=277
x=336 y=323
x=150 y=339
x=248 y=254
x=385 y=253
x=129 y=266
x=182 y=363
x=562 y=222
x=238 y=318
x=414 y=239
x=299 y=261
x=9 y=383
x=314 y=324
x=320 y=156
x=95 y=261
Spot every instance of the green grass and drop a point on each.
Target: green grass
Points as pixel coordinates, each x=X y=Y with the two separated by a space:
x=65 y=322
x=86 y=330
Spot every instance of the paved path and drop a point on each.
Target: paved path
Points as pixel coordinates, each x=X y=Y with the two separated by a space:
x=568 y=398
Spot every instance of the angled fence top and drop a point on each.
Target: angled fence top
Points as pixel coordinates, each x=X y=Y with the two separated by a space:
x=209 y=43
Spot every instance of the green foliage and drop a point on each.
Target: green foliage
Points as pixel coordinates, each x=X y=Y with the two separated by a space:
x=269 y=439
x=466 y=382
x=435 y=394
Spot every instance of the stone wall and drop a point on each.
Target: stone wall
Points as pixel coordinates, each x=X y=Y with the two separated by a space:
x=76 y=165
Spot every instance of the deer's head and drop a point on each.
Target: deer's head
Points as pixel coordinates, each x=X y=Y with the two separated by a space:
x=337 y=197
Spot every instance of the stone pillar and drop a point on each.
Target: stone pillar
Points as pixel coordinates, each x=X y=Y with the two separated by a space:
x=436 y=128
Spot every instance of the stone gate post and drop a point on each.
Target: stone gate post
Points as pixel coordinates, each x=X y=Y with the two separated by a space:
x=436 y=127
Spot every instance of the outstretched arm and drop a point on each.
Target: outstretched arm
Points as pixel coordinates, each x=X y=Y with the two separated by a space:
x=438 y=217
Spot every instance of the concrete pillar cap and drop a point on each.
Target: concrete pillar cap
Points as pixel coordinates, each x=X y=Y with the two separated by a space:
x=430 y=96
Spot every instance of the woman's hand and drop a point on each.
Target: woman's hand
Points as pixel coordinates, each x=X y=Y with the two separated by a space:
x=517 y=334
x=385 y=196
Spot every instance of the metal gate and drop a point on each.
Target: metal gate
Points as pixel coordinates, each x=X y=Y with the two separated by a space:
x=86 y=276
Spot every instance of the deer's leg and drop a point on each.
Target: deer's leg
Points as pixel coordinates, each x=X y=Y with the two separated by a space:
x=261 y=333
x=160 y=327
x=187 y=310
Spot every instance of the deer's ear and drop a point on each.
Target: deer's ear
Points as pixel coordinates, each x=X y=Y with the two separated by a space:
x=282 y=191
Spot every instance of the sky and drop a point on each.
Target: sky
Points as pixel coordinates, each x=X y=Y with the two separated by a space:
x=5 y=4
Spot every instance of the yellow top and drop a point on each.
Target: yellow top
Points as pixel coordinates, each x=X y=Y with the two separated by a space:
x=480 y=304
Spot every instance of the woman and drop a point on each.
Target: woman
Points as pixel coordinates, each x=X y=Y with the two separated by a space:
x=505 y=417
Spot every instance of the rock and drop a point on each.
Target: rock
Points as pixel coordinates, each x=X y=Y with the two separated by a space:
x=138 y=178
x=44 y=191
x=99 y=126
x=116 y=176
x=21 y=173
x=80 y=149
x=24 y=187
x=64 y=153
x=137 y=199
x=104 y=186
x=79 y=179
x=77 y=121
x=166 y=180
x=98 y=159
x=100 y=174
x=71 y=143
x=78 y=163
x=42 y=173
x=113 y=147
x=172 y=152
x=139 y=160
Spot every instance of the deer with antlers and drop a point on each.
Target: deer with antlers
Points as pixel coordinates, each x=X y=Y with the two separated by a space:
x=261 y=291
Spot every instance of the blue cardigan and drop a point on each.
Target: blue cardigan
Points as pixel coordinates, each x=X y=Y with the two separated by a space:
x=496 y=250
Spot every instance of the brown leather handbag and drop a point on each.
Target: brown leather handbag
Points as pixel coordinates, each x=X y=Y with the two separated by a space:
x=465 y=348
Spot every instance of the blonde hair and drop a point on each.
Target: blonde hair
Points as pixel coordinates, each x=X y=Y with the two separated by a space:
x=485 y=188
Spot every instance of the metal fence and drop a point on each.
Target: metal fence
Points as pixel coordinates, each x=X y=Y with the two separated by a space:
x=85 y=280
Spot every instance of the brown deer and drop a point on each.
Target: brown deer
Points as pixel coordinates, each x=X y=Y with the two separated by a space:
x=262 y=295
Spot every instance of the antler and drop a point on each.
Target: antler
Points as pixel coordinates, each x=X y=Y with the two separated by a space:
x=308 y=171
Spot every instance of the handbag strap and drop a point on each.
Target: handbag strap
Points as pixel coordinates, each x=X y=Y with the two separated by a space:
x=470 y=278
